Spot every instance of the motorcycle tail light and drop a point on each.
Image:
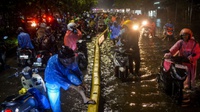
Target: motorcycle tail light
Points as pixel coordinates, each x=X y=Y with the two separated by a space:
x=8 y=110
x=38 y=56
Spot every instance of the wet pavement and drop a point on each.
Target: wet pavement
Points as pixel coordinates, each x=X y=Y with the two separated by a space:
x=140 y=94
x=135 y=95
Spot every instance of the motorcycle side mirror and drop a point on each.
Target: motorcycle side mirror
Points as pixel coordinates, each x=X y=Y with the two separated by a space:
x=166 y=51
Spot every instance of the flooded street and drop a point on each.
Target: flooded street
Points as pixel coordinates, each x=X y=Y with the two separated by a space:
x=138 y=94
x=135 y=95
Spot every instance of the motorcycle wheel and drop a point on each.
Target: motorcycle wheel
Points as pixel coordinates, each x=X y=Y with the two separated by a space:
x=177 y=92
x=116 y=71
x=121 y=75
x=160 y=80
x=170 y=37
x=164 y=82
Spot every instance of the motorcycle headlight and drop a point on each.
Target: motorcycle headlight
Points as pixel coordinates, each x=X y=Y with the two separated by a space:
x=135 y=27
x=144 y=22
x=33 y=24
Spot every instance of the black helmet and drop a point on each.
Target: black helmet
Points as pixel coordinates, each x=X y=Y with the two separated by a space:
x=66 y=56
x=65 y=52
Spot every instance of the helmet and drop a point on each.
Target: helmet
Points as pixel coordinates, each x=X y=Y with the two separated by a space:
x=71 y=26
x=186 y=31
x=20 y=29
x=66 y=55
x=127 y=23
x=65 y=52
x=43 y=25
x=48 y=29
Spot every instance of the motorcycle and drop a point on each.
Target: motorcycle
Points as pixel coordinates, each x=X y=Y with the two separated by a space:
x=145 y=30
x=25 y=57
x=169 y=33
x=121 y=61
x=145 y=33
x=89 y=33
x=41 y=58
x=171 y=77
x=82 y=56
x=32 y=97
x=3 y=53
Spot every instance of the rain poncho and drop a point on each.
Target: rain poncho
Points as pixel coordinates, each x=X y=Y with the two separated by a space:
x=56 y=73
x=115 y=31
x=187 y=49
x=71 y=38
x=56 y=76
x=24 y=41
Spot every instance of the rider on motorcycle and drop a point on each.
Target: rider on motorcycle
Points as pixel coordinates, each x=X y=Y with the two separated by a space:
x=41 y=30
x=72 y=36
x=48 y=42
x=131 y=37
x=62 y=71
x=115 y=29
x=187 y=47
x=166 y=27
x=24 y=41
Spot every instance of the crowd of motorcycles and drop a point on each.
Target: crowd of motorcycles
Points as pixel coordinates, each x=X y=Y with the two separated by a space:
x=34 y=88
x=33 y=97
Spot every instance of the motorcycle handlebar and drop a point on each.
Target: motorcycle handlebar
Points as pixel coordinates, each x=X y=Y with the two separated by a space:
x=38 y=70
x=16 y=74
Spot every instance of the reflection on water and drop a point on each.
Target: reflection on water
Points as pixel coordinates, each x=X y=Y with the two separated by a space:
x=138 y=94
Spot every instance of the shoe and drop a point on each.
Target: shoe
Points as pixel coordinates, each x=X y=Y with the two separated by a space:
x=90 y=101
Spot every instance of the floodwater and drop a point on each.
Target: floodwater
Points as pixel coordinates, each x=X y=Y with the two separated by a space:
x=135 y=95
x=139 y=94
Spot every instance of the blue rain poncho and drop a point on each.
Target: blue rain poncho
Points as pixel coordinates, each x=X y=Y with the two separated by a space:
x=56 y=73
x=24 y=41
x=114 y=31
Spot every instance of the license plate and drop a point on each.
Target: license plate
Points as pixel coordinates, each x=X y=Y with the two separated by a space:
x=38 y=64
x=23 y=56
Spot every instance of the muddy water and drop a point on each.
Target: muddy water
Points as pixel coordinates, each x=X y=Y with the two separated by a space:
x=138 y=94
x=135 y=95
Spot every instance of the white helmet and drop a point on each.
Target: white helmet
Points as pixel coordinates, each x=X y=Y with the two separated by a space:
x=71 y=26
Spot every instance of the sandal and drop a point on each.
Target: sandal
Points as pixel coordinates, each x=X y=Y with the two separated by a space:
x=90 y=101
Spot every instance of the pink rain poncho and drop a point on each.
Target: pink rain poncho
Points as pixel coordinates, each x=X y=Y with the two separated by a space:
x=71 y=38
x=182 y=48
